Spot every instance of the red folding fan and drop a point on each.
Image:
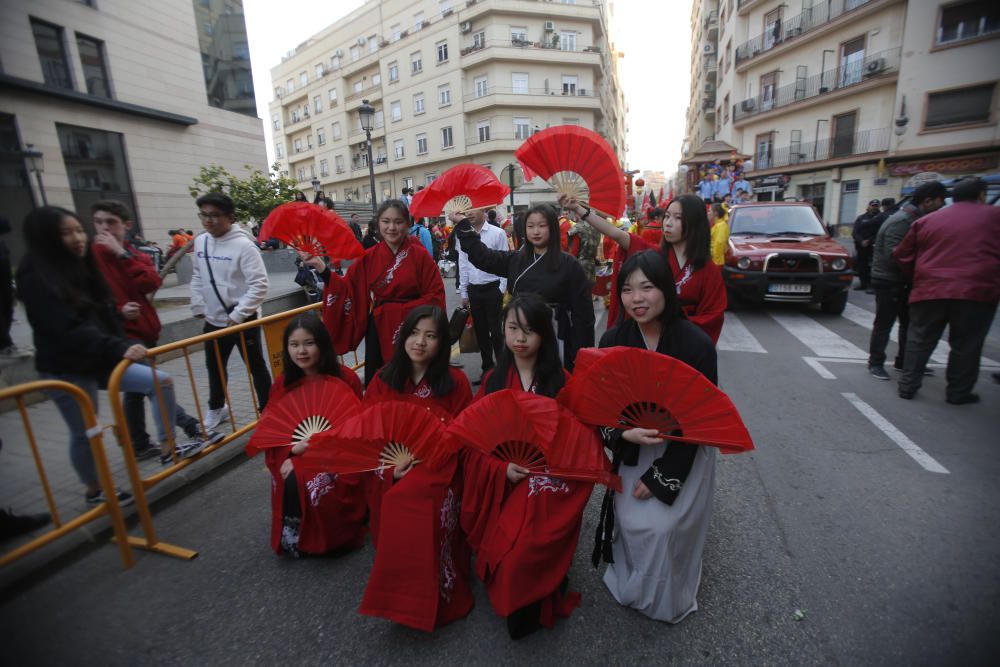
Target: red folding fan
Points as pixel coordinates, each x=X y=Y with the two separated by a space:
x=417 y=401
x=389 y=434
x=629 y=387
x=580 y=454
x=314 y=406
x=312 y=229
x=577 y=162
x=460 y=189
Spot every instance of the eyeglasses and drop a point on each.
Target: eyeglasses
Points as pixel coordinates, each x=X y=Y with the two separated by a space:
x=211 y=216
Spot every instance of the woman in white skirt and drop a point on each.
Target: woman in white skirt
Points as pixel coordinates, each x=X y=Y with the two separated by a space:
x=653 y=533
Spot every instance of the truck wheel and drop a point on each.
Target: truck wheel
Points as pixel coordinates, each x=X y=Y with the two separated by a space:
x=835 y=305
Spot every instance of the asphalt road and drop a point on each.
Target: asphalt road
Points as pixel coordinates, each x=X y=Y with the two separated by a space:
x=829 y=544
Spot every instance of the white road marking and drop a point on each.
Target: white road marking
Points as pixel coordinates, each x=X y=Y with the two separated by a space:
x=736 y=337
x=819 y=339
x=925 y=460
x=817 y=366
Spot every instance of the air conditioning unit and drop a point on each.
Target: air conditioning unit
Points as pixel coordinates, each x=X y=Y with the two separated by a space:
x=339 y=53
x=875 y=66
x=466 y=26
x=362 y=41
x=550 y=26
x=747 y=105
x=710 y=48
x=709 y=87
x=582 y=92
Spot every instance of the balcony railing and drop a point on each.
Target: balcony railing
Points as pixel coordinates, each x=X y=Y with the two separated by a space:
x=712 y=17
x=851 y=74
x=811 y=18
x=555 y=92
x=860 y=143
x=370 y=90
x=548 y=44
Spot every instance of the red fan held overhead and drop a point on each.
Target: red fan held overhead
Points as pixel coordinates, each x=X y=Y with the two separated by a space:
x=535 y=433
x=312 y=229
x=460 y=189
x=625 y=387
x=577 y=162
x=385 y=435
x=312 y=407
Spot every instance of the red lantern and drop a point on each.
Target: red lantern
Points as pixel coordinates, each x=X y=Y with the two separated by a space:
x=639 y=182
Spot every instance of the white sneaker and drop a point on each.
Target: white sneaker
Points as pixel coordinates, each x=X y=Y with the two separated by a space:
x=215 y=417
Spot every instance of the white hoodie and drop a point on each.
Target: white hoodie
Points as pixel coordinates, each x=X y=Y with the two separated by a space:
x=239 y=273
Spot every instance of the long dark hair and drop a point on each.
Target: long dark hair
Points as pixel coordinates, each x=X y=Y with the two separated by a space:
x=526 y=255
x=75 y=280
x=534 y=315
x=328 y=362
x=657 y=270
x=400 y=368
x=397 y=204
x=694 y=230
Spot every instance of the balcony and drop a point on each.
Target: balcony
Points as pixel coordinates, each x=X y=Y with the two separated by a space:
x=838 y=149
x=810 y=20
x=371 y=93
x=708 y=106
x=712 y=24
x=358 y=136
x=875 y=69
x=523 y=51
x=586 y=11
x=498 y=141
x=579 y=98
x=351 y=68
x=711 y=67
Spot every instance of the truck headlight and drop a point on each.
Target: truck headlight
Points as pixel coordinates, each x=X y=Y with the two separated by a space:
x=838 y=264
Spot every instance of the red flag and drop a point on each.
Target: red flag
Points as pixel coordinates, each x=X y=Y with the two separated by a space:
x=645 y=202
x=660 y=198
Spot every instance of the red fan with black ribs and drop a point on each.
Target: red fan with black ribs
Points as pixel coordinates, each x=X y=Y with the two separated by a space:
x=384 y=435
x=625 y=387
x=311 y=229
x=314 y=406
x=535 y=433
x=578 y=162
x=460 y=189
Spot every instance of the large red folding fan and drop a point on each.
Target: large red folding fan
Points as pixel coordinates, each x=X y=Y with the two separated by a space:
x=314 y=406
x=577 y=162
x=460 y=189
x=312 y=229
x=628 y=387
x=535 y=433
x=384 y=435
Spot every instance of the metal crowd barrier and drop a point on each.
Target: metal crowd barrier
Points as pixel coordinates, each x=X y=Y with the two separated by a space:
x=94 y=433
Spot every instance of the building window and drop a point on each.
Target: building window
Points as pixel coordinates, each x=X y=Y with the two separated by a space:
x=483 y=130
x=482 y=86
x=407 y=182
x=567 y=41
x=335 y=62
x=52 y=54
x=416 y=63
x=303 y=79
x=518 y=35
x=320 y=136
x=397 y=149
x=447 y=141
x=418 y=21
x=479 y=40
x=295 y=116
x=442 y=51
x=95 y=166
x=519 y=83
x=355 y=53
x=376 y=79
x=764 y=151
x=445 y=7
x=338 y=163
x=379 y=118
x=324 y=168
x=298 y=145
x=570 y=121
x=279 y=150
x=396 y=33
x=372 y=43
x=359 y=86
x=852 y=62
x=418 y=104
x=729 y=54
x=967 y=20
x=429 y=178
x=569 y=84
x=959 y=107
x=421 y=144
x=309 y=141
x=772 y=28
x=95 y=72
x=335 y=130
x=333 y=97
x=318 y=104
x=276 y=121
x=302 y=174
x=395 y=111
x=844 y=127
x=393 y=72
x=522 y=128
x=320 y=70
x=444 y=95
x=725 y=109
x=768 y=88
x=816 y=194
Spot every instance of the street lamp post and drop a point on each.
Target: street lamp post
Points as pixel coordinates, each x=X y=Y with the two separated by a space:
x=366 y=113
x=36 y=166
x=315 y=183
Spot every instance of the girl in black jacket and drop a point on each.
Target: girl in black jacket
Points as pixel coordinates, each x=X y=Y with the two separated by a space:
x=77 y=335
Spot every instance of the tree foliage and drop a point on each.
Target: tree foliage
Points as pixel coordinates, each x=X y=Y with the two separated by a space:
x=254 y=196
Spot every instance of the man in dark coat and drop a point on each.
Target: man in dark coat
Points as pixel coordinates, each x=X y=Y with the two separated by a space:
x=865 y=228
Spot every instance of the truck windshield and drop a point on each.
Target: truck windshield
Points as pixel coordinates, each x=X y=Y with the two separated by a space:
x=768 y=220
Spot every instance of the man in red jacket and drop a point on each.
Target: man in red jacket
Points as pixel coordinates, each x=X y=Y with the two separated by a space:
x=953 y=256
x=133 y=281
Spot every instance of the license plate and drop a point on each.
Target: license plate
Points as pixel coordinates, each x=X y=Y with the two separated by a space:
x=789 y=288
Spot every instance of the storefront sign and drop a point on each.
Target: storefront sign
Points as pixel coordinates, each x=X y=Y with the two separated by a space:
x=776 y=182
x=962 y=165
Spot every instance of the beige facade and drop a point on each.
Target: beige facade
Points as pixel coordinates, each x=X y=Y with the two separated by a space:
x=842 y=101
x=451 y=82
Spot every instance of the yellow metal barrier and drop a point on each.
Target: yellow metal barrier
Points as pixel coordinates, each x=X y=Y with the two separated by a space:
x=273 y=326
x=110 y=507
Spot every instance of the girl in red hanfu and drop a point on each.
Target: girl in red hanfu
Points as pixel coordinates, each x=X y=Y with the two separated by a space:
x=524 y=530
x=327 y=512
x=392 y=278
x=687 y=247
x=421 y=573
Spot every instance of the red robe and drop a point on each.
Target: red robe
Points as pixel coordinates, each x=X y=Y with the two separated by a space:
x=333 y=506
x=524 y=535
x=702 y=292
x=384 y=286
x=420 y=577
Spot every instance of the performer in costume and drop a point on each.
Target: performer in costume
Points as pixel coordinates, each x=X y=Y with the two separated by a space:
x=327 y=512
x=420 y=577
x=661 y=520
x=524 y=529
x=718 y=218
x=387 y=282
x=687 y=247
x=539 y=267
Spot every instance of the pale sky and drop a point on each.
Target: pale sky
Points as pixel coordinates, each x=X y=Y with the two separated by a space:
x=655 y=36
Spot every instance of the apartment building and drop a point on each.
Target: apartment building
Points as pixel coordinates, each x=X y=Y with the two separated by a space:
x=450 y=81
x=841 y=101
x=122 y=100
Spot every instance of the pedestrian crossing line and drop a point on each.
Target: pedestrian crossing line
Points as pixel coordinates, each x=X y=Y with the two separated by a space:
x=736 y=337
x=819 y=339
x=818 y=365
x=925 y=460
x=821 y=370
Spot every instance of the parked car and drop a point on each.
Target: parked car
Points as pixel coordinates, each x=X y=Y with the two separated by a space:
x=779 y=251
